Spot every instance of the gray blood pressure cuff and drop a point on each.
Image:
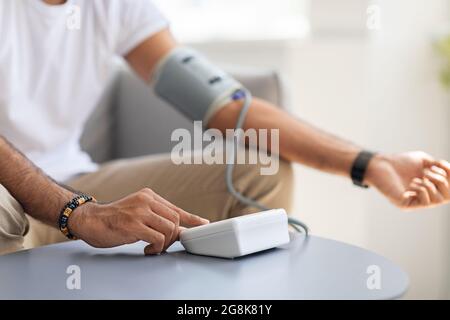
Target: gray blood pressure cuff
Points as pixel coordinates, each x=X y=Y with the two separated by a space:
x=193 y=85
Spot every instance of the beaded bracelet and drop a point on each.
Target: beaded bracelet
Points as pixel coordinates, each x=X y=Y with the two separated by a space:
x=63 y=220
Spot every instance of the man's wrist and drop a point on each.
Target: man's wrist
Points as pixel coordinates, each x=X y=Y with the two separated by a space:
x=79 y=221
x=376 y=166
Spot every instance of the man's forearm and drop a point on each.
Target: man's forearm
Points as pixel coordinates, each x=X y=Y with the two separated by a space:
x=40 y=196
x=299 y=141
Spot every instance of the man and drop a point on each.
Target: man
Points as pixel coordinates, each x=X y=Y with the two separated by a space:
x=50 y=79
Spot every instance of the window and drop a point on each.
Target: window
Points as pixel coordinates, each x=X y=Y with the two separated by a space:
x=203 y=20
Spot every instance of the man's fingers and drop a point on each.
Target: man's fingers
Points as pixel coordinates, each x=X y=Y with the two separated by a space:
x=445 y=165
x=163 y=209
x=415 y=203
x=162 y=225
x=151 y=250
x=438 y=171
x=166 y=211
x=153 y=237
x=192 y=219
x=169 y=214
x=441 y=183
x=180 y=229
x=407 y=199
x=433 y=192
x=422 y=192
x=185 y=217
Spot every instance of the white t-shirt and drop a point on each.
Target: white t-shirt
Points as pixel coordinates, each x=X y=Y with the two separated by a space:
x=55 y=61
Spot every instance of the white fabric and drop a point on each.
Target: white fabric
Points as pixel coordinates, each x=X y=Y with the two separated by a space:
x=52 y=73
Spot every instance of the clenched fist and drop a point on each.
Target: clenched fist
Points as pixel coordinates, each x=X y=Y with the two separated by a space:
x=411 y=180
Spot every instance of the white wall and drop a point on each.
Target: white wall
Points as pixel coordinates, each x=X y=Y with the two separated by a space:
x=408 y=103
x=382 y=93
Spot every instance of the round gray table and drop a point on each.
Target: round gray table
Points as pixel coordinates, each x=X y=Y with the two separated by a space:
x=311 y=268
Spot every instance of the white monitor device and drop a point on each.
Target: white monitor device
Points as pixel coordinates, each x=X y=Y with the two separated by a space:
x=238 y=236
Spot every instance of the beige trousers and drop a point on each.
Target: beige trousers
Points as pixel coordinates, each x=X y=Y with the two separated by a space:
x=197 y=188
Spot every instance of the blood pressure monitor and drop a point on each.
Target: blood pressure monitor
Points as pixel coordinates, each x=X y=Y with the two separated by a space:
x=238 y=236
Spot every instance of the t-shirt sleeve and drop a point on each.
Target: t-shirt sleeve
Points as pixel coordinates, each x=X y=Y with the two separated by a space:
x=139 y=20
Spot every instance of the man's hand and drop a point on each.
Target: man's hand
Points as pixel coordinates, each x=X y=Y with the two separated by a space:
x=411 y=180
x=143 y=215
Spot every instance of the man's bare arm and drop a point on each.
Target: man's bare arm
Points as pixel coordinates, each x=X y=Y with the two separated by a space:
x=409 y=180
x=40 y=196
x=143 y=215
x=299 y=141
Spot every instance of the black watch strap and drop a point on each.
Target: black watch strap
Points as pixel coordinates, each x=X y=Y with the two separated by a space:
x=359 y=168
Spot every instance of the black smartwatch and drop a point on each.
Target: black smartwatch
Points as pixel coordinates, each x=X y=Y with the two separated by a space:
x=359 y=168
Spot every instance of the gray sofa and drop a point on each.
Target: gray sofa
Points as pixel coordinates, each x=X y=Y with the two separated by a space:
x=131 y=121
